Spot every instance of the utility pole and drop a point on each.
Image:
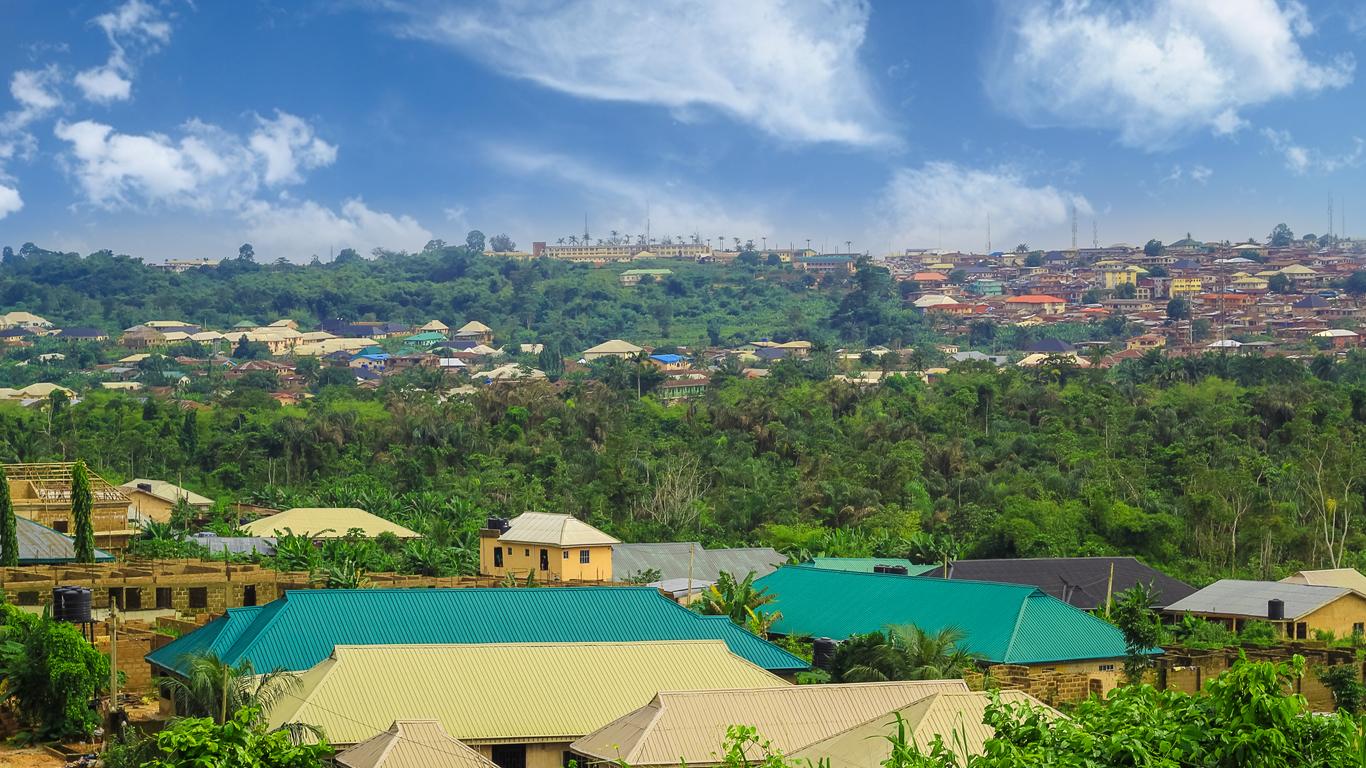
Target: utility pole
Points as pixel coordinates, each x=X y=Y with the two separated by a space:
x=113 y=665
x=988 y=232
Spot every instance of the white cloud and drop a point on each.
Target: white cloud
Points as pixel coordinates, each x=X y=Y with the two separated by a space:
x=299 y=231
x=104 y=85
x=211 y=170
x=944 y=204
x=789 y=67
x=289 y=144
x=1154 y=70
x=622 y=203
x=10 y=202
x=33 y=89
x=134 y=29
x=205 y=167
x=1302 y=160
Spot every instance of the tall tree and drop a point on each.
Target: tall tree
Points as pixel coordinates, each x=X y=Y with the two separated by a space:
x=475 y=241
x=82 y=507
x=9 y=527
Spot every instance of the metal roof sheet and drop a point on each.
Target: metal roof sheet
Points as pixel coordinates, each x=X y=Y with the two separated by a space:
x=300 y=629
x=523 y=692
x=40 y=545
x=412 y=744
x=1237 y=597
x=553 y=529
x=671 y=559
x=955 y=717
x=1003 y=623
x=1350 y=578
x=681 y=727
x=326 y=523
x=1079 y=581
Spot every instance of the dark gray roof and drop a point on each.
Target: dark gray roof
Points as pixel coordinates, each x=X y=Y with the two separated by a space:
x=1080 y=581
x=1235 y=597
x=237 y=545
x=40 y=545
x=671 y=560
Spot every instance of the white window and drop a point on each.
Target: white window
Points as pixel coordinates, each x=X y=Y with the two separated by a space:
x=583 y=555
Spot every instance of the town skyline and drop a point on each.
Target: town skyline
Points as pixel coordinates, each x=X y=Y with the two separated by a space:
x=142 y=127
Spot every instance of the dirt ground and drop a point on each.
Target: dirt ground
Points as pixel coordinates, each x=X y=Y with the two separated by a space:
x=28 y=757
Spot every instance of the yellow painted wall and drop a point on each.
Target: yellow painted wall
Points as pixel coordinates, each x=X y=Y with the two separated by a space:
x=564 y=565
x=1116 y=278
x=149 y=507
x=1338 y=616
x=1091 y=666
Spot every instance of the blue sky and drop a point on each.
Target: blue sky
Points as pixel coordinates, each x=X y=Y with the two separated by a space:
x=169 y=128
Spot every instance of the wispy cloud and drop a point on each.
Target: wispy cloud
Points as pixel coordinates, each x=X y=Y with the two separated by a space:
x=134 y=29
x=622 y=202
x=35 y=95
x=1197 y=173
x=1304 y=160
x=789 y=67
x=1154 y=70
x=945 y=204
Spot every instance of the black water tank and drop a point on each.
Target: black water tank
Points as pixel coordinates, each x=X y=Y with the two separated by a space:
x=145 y=487
x=497 y=524
x=1275 y=610
x=899 y=570
x=59 y=603
x=881 y=568
x=78 y=605
x=823 y=653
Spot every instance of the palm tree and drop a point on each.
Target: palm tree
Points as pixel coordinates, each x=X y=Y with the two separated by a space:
x=211 y=687
x=930 y=655
x=903 y=652
x=736 y=599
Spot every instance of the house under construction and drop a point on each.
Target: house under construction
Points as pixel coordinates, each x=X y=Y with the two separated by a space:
x=42 y=493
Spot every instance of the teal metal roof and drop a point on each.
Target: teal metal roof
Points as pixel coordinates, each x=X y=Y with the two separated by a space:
x=865 y=564
x=40 y=545
x=300 y=629
x=1004 y=623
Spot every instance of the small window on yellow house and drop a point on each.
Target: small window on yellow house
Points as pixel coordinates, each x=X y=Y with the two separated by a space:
x=526 y=552
x=566 y=554
x=583 y=555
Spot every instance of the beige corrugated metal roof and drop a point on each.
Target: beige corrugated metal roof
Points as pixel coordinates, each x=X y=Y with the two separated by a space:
x=956 y=717
x=514 y=692
x=166 y=491
x=412 y=744
x=474 y=326
x=556 y=530
x=1350 y=578
x=613 y=347
x=326 y=523
x=690 y=727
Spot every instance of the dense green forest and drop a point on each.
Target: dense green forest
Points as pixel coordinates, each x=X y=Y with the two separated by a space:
x=1208 y=466
x=521 y=300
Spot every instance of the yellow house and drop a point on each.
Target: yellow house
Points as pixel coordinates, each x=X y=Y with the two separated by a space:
x=154 y=499
x=1185 y=287
x=1297 y=609
x=1117 y=273
x=551 y=547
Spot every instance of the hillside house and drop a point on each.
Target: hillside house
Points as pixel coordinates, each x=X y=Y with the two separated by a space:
x=153 y=500
x=1297 y=610
x=547 y=547
x=326 y=523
